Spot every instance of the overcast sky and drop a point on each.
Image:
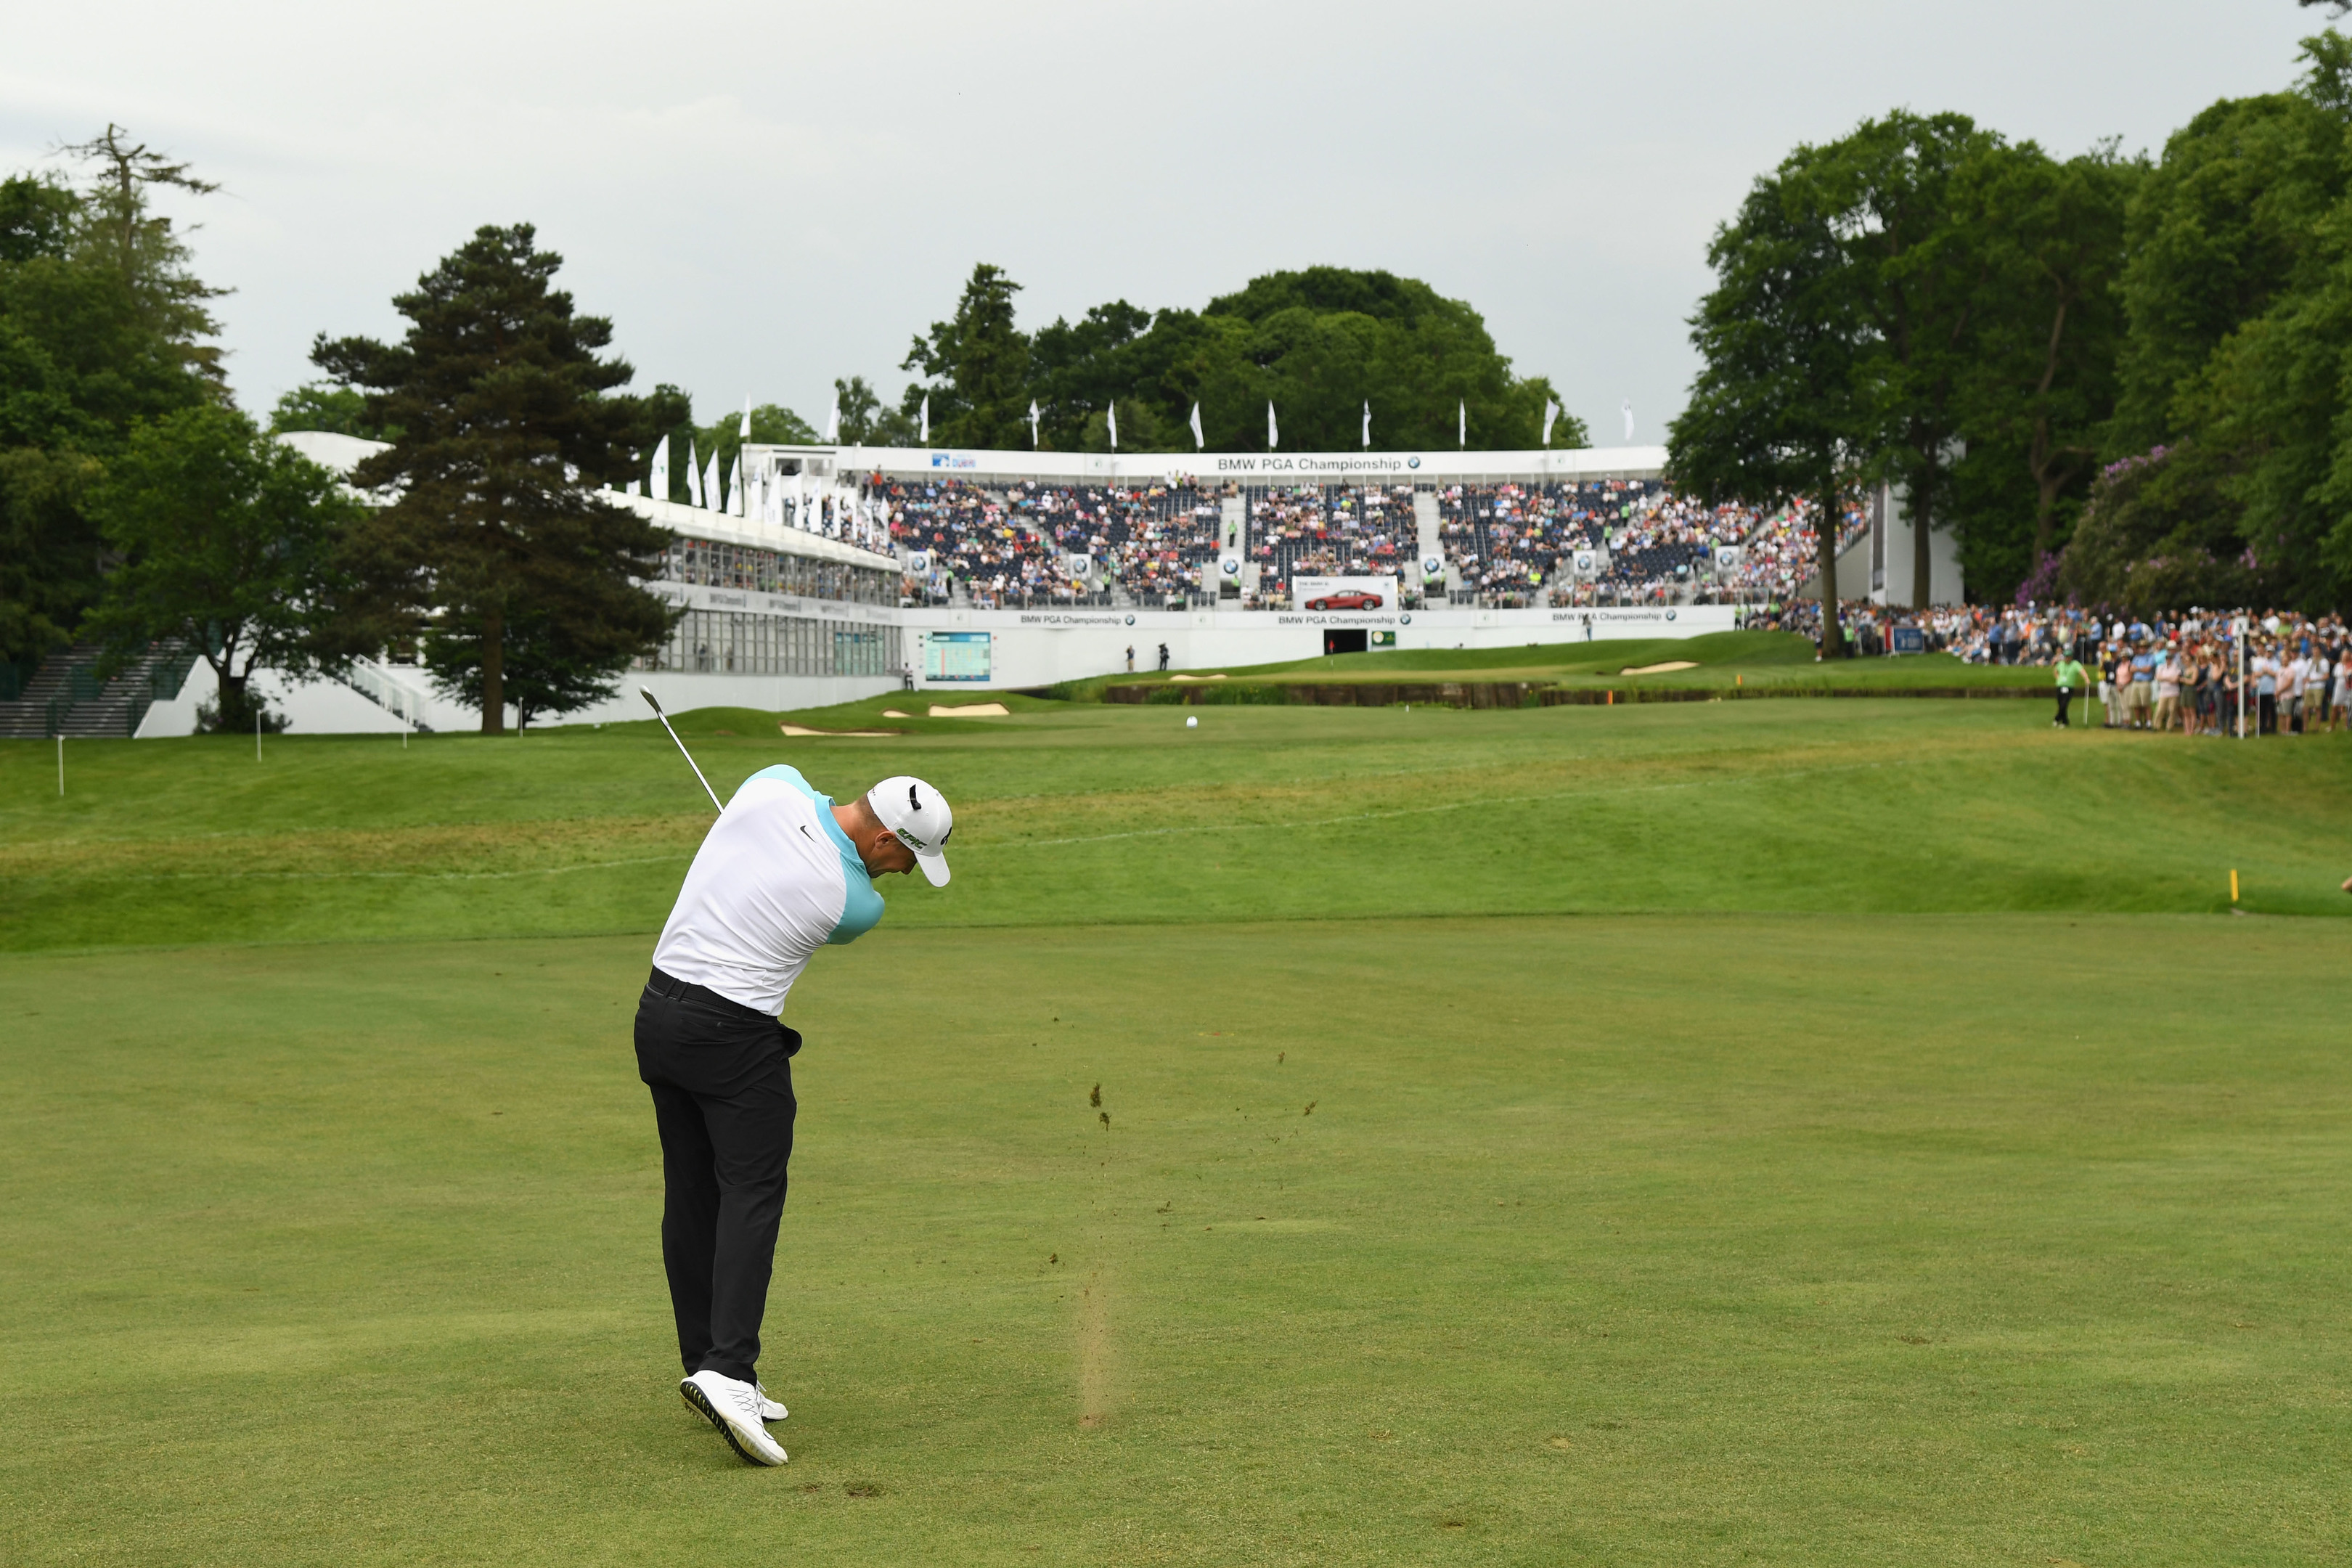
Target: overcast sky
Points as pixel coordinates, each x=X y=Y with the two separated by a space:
x=765 y=196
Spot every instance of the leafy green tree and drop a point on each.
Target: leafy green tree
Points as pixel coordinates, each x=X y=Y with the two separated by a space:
x=866 y=422
x=554 y=664
x=2042 y=382
x=1319 y=344
x=506 y=428
x=323 y=406
x=2229 y=219
x=977 y=368
x=2161 y=535
x=101 y=324
x=1920 y=256
x=1781 y=408
x=228 y=541
x=772 y=425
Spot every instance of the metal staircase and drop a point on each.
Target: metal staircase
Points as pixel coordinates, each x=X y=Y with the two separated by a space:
x=68 y=697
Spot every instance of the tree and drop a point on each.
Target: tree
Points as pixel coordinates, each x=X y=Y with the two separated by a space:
x=121 y=228
x=101 y=325
x=2042 y=381
x=506 y=431
x=553 y=664
x=865 y=422
x=1319 y=344
x=772 y=425
x=228 y=541
x=1780 y=409
x=1921 y=265
x=977 y=364
x=2229 y=219
x=323 y=406
x=2160 y=535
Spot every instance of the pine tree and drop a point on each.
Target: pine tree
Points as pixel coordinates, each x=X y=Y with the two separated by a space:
x=506 y=431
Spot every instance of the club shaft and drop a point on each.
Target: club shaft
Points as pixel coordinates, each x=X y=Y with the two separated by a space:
x=691 y=764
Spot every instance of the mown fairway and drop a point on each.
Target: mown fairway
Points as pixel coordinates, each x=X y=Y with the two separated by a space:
x=1778 y=1132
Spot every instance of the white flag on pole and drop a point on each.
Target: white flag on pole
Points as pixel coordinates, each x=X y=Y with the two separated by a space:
x=833 y=421
x=735 y=487
x=1629 y=422
x=1551 y=412
x=659 y=487
x=1273 y=431
x=1368 y=424
x=1113 y=411
x=1033 y=424
x=693 y=474
x=711 y=496
x=1200 y=442
x=745 y=432
x=927 y=418
x=1462 y=423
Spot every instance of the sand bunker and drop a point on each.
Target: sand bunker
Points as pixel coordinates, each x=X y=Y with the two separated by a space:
x=1174 y=678
x=798 y=729
x=894 y=714
x=1667 y=668
x=972 y=711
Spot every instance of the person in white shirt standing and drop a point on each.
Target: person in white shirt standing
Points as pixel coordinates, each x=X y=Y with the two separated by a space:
x=782 y=872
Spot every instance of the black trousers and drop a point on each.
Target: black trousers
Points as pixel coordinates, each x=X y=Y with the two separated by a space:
x=2065 y=697
x=722 y=1077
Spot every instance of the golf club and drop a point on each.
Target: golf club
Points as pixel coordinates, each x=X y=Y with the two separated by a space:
x=682 y=752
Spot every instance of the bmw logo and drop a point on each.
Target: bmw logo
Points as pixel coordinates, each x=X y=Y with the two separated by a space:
x=1130 y=620
x=1670 y=614
x=1413 y=462
x=1405 y=619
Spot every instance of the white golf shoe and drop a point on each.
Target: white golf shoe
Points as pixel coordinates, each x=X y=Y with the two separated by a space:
x=734 y=1408
x=769 y=1409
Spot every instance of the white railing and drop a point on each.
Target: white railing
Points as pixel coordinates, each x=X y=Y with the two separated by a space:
x=379 y=685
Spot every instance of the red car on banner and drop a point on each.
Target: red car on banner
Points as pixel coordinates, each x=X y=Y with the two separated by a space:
x=1347 y=601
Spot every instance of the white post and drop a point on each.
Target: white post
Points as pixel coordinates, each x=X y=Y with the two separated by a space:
x=256 y=732
x=61 y=767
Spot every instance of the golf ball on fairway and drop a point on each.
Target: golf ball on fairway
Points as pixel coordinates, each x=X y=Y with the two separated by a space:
x=1191 y=723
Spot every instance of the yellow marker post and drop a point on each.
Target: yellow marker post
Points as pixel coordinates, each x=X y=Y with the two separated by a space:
x=2233 y=884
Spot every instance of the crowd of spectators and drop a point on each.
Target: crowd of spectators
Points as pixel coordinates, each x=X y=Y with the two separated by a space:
x=1028 y=542
x=2199 y=673
x=1506 y=544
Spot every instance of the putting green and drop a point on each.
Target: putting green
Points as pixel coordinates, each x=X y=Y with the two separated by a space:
x=1813 y=1239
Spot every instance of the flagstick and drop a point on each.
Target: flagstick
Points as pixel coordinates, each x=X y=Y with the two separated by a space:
x=61 y=767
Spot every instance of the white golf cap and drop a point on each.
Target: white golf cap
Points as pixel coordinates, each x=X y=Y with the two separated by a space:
x=918 y=814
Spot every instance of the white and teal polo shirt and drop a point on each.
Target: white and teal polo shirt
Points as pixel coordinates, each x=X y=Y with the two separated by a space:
x=775 y=879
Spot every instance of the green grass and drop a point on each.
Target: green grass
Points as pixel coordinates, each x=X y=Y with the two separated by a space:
x=1076 y=812
x=1748 y=1132
x=1767 y=661
x=1669 y=1239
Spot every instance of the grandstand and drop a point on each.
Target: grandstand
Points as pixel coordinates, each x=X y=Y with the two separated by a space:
x=832 y=573
x=1021 y=540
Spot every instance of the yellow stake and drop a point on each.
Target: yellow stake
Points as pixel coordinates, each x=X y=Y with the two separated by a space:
x=2233 y=884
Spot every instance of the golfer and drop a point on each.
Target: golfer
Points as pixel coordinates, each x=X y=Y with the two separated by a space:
x=782 y=872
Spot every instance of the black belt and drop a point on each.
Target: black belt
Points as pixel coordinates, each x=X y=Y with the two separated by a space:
x=675 y=990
